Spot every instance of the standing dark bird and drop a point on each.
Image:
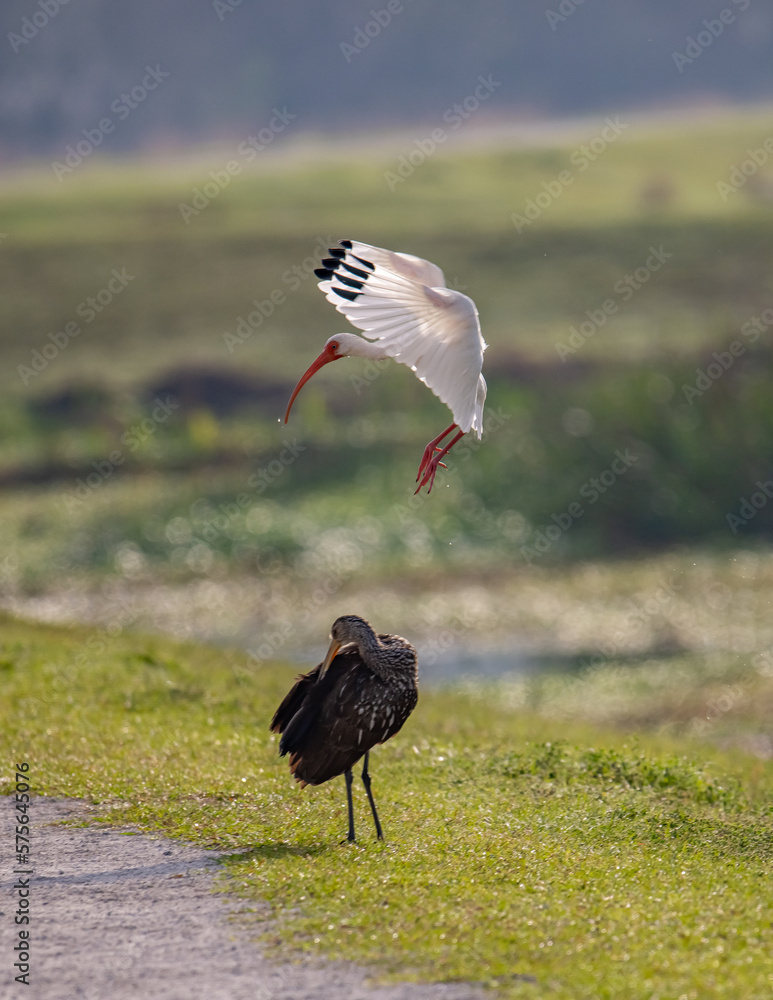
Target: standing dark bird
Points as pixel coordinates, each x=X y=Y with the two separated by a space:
x=354 y=699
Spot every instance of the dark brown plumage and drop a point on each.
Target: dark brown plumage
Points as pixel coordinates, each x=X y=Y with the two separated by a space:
x=354 y=699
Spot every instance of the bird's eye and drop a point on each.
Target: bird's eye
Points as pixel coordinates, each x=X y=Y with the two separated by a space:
x=334 y=346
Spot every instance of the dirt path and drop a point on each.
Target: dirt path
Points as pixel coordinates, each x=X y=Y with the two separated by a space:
x=132 y=917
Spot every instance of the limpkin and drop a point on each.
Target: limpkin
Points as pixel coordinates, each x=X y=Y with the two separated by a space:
x=360 y=695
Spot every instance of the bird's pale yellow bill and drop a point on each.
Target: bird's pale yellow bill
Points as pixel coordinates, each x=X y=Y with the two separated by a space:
x=335 y=645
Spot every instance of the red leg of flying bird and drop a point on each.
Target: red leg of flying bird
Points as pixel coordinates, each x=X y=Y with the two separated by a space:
x=434 y=462
x=430 y=450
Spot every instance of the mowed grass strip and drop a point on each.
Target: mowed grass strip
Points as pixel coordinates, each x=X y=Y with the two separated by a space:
x=537 y=856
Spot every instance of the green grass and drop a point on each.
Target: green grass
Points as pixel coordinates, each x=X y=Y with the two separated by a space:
x=193 y=281
x=696 y=462
x=521 y=843
x=530 y=834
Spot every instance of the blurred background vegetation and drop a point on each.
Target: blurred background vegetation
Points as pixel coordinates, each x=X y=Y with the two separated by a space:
x=145 y=477
x=599 y=567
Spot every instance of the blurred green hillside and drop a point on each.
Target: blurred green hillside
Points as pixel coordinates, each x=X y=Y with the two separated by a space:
x=619 y=417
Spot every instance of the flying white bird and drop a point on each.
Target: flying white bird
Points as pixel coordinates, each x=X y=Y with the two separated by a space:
x=401 y=303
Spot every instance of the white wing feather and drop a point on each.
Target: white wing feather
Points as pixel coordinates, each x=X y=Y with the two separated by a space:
x=432 y=329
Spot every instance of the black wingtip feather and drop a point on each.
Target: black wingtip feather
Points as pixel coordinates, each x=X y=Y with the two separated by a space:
x=349 y=282
x=332 y=262
x=367 y=263
x=357 y=271
x=346 y=243
x=323 y=272
x=335 y=252
x=351 y=296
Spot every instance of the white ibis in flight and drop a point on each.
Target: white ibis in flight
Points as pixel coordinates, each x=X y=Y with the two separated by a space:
x=336 y=713
x=402 y=305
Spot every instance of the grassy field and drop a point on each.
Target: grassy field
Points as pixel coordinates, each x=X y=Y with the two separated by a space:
x=524 y=849
x=654 y=184
x=595 y=830
x=554 y=423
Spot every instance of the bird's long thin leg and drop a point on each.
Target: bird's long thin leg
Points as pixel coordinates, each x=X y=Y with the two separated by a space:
x=434 y=462
x=349 y=778
x=366 y=782
x=429 y=451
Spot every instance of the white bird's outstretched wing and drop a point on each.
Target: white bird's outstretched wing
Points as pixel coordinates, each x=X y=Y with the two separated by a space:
x=405 y=264
x=401 y=302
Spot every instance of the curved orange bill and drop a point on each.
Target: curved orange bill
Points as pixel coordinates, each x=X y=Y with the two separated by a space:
x=326 y=356
x=335 y=645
